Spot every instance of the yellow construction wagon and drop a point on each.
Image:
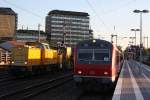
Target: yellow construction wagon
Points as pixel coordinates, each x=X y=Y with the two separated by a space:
x=25 y=57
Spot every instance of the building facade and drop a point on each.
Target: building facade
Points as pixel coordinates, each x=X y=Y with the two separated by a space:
x=8 y=22
x=5 y=57
x=67 y=26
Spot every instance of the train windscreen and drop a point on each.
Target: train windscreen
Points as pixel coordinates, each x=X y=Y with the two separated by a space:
x=93 y=56
x=85 y=54
x=102 y=55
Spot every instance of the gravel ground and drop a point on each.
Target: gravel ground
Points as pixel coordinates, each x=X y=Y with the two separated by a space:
x=69 y=91
x=25 y=82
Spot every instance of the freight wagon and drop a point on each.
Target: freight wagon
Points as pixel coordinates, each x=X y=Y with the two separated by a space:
x=37 y=58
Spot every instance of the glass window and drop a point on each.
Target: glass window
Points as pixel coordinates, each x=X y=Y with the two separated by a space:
x=85 y=54
x=93 y=56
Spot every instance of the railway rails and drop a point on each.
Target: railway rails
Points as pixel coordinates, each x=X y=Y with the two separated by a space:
x=5 y=78
x=69 y=91
x=3 y=73
x=36 y=89
x=4 y=82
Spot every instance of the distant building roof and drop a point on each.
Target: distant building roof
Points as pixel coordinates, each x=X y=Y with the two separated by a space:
x=11 y=44
x=30 y=31
x=68 y=13
x=6 y=11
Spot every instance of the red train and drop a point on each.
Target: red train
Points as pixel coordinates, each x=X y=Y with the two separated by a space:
x=96 y=61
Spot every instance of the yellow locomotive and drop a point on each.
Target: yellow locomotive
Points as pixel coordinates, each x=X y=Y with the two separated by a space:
x=35 y=57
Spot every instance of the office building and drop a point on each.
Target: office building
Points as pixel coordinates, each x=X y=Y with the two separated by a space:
x=67 y=26
x=8 y=23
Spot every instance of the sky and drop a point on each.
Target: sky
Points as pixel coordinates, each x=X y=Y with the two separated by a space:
x=106 y=16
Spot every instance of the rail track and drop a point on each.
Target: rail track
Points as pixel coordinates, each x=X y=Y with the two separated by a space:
x=3 y=73
x=5 y=78
x=33 y=90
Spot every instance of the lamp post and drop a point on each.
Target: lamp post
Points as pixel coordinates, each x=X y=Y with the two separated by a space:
x=147 y=41
x=135 y=33
x=39 y=25
x=64 y=33
x=112 y=38
x=22 y=27
x=141 y=44
x=132 y=38
x=70 y=24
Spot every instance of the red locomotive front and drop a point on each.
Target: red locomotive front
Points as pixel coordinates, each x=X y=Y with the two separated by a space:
x=95 y=61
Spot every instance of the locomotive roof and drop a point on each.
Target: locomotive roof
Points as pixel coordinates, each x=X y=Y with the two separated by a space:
x=96 y=42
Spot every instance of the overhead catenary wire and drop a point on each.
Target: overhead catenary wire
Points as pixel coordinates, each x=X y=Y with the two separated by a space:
x=23 y=9
x=99 y=18
x=124 y=5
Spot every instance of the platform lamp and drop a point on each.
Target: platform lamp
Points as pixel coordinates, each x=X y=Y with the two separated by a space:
x=141 y=44
x=135 y=33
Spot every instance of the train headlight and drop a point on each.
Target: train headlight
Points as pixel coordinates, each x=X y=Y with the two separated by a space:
x=94 y=41
x=105 y=73
x=25 y=62
x=79 y=72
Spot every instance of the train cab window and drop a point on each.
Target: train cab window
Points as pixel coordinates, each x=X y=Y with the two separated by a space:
x=46 y=46
x=101 y=54
x=85 y=54
x=43 y=46
x=40 y=46
x=93 y=56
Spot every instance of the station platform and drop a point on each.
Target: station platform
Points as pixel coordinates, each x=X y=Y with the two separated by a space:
x=133 y=82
